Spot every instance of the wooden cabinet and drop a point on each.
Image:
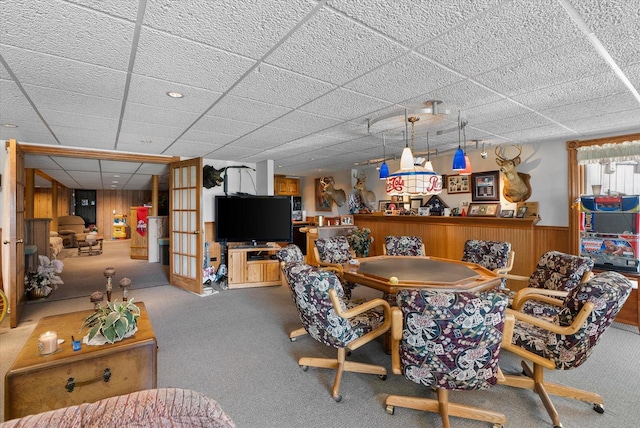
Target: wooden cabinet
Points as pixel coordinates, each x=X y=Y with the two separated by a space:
x=66 y=377
x=286 y=186
x=246 y=272
x=139 y=246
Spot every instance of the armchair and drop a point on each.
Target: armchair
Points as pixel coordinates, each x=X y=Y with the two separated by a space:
x=566 y=341
x=448 y=341
x=494 y=255
x=318 y=296
x=403 y=246
x=334 y=252
x=556 y=274
x=290 y=254
x=69 y=229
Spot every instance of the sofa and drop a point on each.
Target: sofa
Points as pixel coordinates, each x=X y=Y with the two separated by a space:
x=162 y=407
x=56 y=244
x=70 y=228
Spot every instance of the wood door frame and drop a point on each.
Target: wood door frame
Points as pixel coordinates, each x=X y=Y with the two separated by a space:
x=576 y=180
x=185 y=275
x=44 y=150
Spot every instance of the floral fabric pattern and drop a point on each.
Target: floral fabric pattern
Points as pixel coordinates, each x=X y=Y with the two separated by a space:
x=289 y=254
x=334 y=250
x=489 y=254
x=451 y=340
x=555 y=271
x=310 y=288
x=608 y=291
x=403 y=245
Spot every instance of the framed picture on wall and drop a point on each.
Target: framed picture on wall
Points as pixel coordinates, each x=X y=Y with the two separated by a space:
x=485 y=186
x=458 y=184
x=323 y=202
x=484 y=210
x=382 y=205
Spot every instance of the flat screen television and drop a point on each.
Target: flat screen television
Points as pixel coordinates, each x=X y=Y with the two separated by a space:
x=254 y=220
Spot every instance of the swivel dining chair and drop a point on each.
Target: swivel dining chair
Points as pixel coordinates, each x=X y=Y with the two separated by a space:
x=290 y=254
x=334 y=252
x=403 y=246
x=566 y=341
x=448 y=341
x=319 y=299
x=493 y=255
x=555 y=275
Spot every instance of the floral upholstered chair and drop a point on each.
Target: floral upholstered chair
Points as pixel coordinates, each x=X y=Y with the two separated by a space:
x=493 y=255
x=334 y=252
x=319 y=299
x=566 y=341
x=290 y=254
x=403 y=246
x=448 y=341
x=556 y=274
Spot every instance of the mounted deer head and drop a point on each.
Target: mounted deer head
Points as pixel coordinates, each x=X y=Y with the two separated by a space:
x=367 y=197
x=336 y=195
x=516 y=184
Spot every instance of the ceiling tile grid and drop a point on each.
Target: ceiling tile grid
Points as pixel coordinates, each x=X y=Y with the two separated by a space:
x=291 y=80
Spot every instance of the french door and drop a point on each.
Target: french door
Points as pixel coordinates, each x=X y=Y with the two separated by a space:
x=186 y=228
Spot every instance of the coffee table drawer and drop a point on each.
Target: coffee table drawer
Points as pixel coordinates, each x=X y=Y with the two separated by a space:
x=70 y=383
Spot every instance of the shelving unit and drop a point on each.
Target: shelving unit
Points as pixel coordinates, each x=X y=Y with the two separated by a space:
x=245 y=273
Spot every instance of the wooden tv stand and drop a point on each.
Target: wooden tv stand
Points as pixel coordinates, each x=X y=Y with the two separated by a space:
x=245 y=272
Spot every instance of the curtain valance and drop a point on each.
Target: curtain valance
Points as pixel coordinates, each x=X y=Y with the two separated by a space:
x=616 y=152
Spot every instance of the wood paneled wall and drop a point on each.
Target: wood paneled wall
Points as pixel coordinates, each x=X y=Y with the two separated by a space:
x=445 y=236
x=106 y=202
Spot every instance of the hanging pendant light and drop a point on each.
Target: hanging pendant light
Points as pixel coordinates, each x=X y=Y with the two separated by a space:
x=459 y=162
x=406 y=160
x=428 y=165
x=384 y=168
x=467 y=168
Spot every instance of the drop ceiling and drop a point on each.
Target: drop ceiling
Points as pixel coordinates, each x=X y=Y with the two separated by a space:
x=297 y=81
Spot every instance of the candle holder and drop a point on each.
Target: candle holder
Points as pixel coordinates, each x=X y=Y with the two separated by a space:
x=109 y=273
x=125 y=283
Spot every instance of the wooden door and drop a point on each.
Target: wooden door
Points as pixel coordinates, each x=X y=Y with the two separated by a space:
x=14 y=242
x=185 y=225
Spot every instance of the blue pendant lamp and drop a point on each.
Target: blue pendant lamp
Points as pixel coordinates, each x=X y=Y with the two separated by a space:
x=459 y=162
x=467 y=168
x=384 y=168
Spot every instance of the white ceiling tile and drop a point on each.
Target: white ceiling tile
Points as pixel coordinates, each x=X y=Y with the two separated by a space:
x=65 y=101
x=512 y=32
x=178 y=60
x=191 y=149
x=599 y=14
x=412 y=22
x=123 y=8
x=243 y=109
x=74 y=164
x=250 y=28
x=568 y=62
x=221 y=125
x=214 y=139
x=281 y=87
x=304 y=122
x=333 y=48
x=344 y=104
x=150 y=91
x=403 y=78
x=232 y=152
x=107 y=166
x=623 y=42
x=67 y=30
x=152 y=115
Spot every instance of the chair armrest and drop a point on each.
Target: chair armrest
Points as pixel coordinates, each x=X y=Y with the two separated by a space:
x=396 y=336
x=540 y=294
x=515 y=277
x=366 y=306
x=505 y=270
x=554 y=328
x=507 y=331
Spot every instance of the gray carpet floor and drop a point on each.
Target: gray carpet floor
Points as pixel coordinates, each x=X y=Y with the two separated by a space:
x=83 y=274
x=233 y=346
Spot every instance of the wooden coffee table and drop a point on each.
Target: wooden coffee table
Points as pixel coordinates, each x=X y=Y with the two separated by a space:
x=90 y=246
x=37 y=383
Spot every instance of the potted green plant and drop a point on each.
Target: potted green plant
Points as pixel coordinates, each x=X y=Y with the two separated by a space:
x=360 y=241
x=111 y=323
x=41 y=283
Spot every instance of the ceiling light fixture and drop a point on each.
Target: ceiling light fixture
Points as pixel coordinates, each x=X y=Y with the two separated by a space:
x=467 y=162
x=9 y=125
x=459 y=162
x=416 y=181
x=175 y=94
x=428 y=165
x=384 y=168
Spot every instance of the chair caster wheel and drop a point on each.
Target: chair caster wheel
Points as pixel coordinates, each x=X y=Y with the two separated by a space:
x=338 y=398
x=292 y=339
x=382 y=376
x=498 y=426
x=599 y=408
x=304 y=368
x=390 y=410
